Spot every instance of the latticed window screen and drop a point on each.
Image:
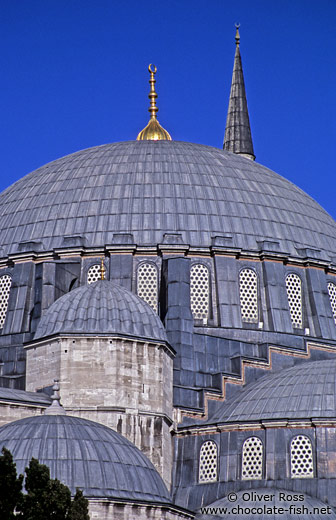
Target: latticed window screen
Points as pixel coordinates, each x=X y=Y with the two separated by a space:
x=208 y=462
x=294 y=295
x=252 y=459
x=94 y=273
x=301 y=457
x=199 y=291
x=248 y=292
x=332 y=297
x=5 y=285
x=147 y=284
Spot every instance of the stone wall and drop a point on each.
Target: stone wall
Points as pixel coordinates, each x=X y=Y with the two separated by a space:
x=13 y=412
x=149 y=432
x=124 y=384
x=107 y=510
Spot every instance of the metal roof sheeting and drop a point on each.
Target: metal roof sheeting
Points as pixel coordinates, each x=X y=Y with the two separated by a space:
x=303 y=391
x=84 y=454
x=101 y=308
x=148 y=188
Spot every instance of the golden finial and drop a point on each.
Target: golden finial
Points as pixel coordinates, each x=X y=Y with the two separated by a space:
x=152 y=95
x=153 y=131
x=102 y=269
x=237 y=25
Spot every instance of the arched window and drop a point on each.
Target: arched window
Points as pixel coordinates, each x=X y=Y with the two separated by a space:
x=5 y=286
x=294 y=295
x=199 y=291
x=252 y=459
x=332 y=297
x=147 y=284
x=94 y=273
x=208 y=462
x=248 y=293
x=301 y=457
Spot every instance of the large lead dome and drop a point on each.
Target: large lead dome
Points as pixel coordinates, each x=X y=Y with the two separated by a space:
x=149 y=188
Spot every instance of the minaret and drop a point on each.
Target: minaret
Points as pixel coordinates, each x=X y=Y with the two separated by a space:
x=153 y=131
x=238 y=137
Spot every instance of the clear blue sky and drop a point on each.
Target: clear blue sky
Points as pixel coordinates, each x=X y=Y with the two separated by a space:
x=74 y=75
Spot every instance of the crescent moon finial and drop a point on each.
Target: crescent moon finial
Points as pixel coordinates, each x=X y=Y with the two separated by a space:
x=150 y=68
x=153 y=131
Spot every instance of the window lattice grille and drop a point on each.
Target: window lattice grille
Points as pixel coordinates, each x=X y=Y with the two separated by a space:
x=301 y=454
x=94 y=273
x=332 y=297
x=199 y=291
x=5 y=285
x=252 y=459
x=147 y=284
x=294 y=295
x=208 y=462
x=248 y=292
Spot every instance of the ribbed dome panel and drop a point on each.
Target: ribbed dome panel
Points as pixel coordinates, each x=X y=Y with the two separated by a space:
x=101 y=308
x=84 y=454
x=149 y=188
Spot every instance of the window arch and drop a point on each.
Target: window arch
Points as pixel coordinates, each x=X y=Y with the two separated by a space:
x=94 y=273
x=5 y=286
x=301 y=457
x=208 y=462
x=294 y=295
x=147 y=284
x=252 y=459
x=199 y=291
x=332 y=298
x=248 y=293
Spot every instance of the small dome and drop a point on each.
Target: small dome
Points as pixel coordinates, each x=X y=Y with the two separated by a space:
x=303 y=391
x=101 y=308
x=84 y=454
x=279 y=498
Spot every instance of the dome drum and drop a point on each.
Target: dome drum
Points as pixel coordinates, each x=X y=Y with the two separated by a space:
x=293 y=458
x=224 y=318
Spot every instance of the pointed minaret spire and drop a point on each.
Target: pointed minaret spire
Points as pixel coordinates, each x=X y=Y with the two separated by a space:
x=238 y=137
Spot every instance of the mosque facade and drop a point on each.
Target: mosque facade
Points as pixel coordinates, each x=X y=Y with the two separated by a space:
x=179 y=301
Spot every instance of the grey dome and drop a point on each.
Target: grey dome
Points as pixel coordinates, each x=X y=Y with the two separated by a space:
x=84 y=454
x=279 y=501
x=149 y=188
x=101 y=308
x=304 y=391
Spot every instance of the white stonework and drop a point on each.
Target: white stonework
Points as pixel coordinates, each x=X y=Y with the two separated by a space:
x=108 y=510
x=122 y=383
x=13 y=412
